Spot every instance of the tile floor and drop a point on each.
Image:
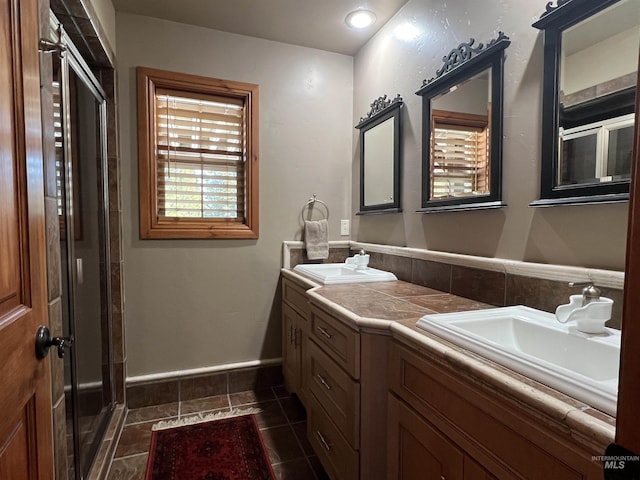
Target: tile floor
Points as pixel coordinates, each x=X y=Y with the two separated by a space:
x=281 y=421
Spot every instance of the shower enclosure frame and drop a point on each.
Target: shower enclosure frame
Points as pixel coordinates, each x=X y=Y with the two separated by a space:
x=71 y=60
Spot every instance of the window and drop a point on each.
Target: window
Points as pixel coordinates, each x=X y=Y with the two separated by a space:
x=198 y=156
x=57 y=133
x=597 y=152
x=66 y=157
x=459 y=155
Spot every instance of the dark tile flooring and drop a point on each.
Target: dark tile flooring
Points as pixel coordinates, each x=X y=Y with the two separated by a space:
x=281 y=421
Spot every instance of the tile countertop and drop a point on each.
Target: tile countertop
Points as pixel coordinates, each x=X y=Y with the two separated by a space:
x=397 y=306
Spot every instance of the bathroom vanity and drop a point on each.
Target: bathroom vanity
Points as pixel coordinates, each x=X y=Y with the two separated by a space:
x=386 y=400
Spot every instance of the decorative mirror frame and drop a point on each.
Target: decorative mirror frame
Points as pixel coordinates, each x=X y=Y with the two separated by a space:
x=553 y=22
x=382 y=109
x=460 y=64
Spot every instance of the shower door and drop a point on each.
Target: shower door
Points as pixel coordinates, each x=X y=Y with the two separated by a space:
x=80 y=110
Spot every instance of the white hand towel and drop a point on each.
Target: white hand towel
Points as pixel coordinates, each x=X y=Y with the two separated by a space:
x=316 y=237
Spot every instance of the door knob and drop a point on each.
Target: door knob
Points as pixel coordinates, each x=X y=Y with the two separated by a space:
x=44 y=341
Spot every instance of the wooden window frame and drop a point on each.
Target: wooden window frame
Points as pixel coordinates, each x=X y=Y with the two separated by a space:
x=151 y=225
x=468 y=122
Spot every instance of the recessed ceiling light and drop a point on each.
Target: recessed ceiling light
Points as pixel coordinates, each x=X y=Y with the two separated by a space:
x=360 y=18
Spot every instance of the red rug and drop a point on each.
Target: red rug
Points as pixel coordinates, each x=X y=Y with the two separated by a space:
x=224 y=449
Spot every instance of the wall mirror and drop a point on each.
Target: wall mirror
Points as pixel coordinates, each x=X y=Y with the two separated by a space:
x=462 y=129
x=590 y=75
x=380 y=149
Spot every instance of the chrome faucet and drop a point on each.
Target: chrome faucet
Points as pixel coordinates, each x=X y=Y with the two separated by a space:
x=359 y=261
x=590 y=311
x=590 y=293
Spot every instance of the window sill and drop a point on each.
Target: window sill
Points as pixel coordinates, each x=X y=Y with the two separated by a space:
x=463 y=207
x=197 y=231
x=581 y=200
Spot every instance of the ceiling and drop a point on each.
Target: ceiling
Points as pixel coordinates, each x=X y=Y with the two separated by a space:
x=309 y=23
x=602 y=26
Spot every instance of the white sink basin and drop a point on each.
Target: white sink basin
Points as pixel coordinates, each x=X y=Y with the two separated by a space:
x=334 y=273
x=534 y=343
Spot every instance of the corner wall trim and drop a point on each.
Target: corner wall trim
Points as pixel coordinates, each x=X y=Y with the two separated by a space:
x=153 y=377
x=287 y=245
x=562 y=273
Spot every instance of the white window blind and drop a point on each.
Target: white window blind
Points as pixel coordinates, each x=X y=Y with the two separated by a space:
x=59 y=153
x=459 y=161
x=200 y=153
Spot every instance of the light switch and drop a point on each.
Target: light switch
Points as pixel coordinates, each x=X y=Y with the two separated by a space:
x=344 y=227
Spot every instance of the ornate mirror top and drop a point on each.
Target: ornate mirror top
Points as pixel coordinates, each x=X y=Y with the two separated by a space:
x=550 y=7
x=464 y=53
x=378 y=106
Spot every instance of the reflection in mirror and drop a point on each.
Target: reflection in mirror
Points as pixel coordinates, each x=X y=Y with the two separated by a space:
x=380 y=157
x=462 y=139
x=460 y=127
x=378 y=170
x=591 y=54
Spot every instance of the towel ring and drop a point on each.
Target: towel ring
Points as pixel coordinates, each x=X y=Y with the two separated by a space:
x=310 y=204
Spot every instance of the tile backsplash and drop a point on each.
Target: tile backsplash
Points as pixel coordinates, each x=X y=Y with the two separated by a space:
x=490 y=285
x=336 y=255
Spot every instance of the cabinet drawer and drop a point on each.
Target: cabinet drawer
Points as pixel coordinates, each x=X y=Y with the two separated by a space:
x=295 y=296
x=500 y=435
x=336 y=455
x=338 y=394
x=337 y=340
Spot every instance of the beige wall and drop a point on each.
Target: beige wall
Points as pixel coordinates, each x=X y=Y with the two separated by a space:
x=192 y=304
x=590 y=236
x=107 y=17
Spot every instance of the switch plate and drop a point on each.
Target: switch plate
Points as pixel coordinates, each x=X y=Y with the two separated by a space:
x=344 y=227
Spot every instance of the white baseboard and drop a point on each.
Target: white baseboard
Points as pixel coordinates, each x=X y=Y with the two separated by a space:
x=154 y=377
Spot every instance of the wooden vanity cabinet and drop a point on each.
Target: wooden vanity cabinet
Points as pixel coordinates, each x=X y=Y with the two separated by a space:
x=335 y=391
x=295 y=329
x=331 y=377
x=443 y=425
x=345 y=377
x=422 y=451
x=380 y=408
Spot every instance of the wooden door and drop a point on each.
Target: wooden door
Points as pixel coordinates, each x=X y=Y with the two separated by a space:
x=25 y=396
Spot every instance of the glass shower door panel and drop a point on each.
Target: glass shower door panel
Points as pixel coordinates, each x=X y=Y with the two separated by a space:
x=91 y=302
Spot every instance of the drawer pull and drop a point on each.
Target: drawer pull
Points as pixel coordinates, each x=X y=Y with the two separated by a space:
x=293 y=336
x=323 y=381
x=325 y=333
x=325 y=444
